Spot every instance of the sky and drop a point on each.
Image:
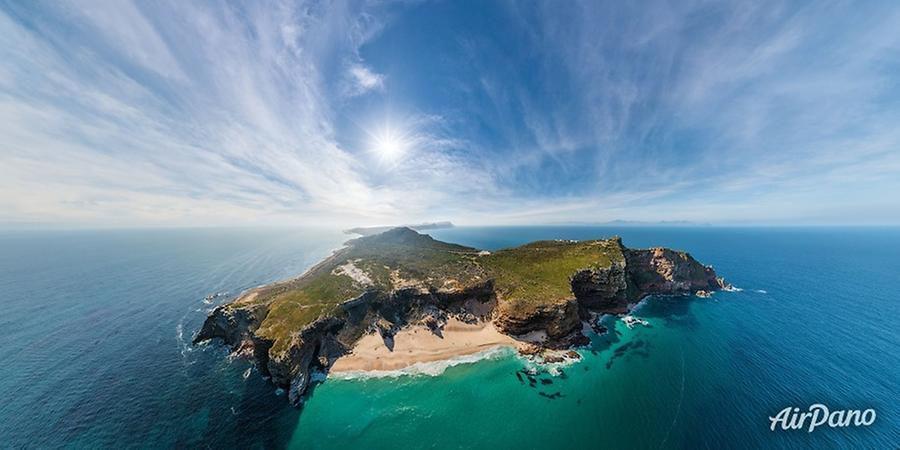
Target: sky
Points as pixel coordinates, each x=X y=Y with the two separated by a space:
x=174 y=113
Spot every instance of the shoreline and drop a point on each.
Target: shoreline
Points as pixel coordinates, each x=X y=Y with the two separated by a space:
x=417 y=345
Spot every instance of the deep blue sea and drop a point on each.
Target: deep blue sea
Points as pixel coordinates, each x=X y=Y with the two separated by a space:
x=96 y=329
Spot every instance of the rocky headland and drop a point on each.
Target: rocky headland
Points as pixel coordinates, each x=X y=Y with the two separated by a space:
x=400 y=281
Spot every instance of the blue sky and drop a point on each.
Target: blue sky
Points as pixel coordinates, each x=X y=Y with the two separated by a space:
x=377 y=112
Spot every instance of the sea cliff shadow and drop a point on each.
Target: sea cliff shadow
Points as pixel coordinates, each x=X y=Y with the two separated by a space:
x=256 y=420
x=674 y=311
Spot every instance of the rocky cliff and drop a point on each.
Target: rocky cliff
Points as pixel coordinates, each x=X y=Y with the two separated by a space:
x=542 y=292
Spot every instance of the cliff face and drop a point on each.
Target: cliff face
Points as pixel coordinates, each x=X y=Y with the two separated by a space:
x=558 y=321
x=236 y=327
x=540 y=291
x=601 y=288
x=668 y=272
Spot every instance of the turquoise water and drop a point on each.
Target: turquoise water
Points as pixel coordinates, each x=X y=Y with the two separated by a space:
x=97 y=324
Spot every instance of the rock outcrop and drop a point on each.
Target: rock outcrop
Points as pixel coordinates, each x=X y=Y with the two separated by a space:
x=662 y=271
x=540 y=292
x=236 y=327
x=554 y=322
x=602 y=288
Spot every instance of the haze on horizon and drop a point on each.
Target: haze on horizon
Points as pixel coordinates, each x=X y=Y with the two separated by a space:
x=385 y=112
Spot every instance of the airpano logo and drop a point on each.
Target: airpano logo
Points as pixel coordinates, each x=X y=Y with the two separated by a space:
x=791 y=418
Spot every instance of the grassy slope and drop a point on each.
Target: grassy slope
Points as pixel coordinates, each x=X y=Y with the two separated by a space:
x=293 y=304
x=539 y=273
x=525 y=277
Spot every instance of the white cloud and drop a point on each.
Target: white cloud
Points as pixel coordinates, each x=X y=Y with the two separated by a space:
x=245 y=138
x=177 y=113
x=125 y=28
x=361 y=79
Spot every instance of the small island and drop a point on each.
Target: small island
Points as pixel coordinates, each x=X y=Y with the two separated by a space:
x=368 y=231
x=398 y=297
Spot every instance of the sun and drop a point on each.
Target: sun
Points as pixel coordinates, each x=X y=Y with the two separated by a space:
x=389 y=143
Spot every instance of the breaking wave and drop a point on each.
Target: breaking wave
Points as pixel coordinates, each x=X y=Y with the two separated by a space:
x=432 y=369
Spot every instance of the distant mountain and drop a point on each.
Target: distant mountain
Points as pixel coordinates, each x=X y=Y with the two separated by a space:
x=366 y=231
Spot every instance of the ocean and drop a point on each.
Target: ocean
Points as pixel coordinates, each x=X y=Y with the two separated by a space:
x=97 y=326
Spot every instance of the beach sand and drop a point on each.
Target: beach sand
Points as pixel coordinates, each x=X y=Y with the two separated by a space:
x=418 y=344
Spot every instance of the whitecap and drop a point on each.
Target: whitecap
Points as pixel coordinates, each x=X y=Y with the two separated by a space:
x=760 y=291
x=555 y=369
x=631 y=321
x=731 y=288
x=185 y=346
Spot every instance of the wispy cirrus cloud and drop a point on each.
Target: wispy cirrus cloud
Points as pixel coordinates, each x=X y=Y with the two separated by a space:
x=176 y=113
x=706 y=112
x=221 y=115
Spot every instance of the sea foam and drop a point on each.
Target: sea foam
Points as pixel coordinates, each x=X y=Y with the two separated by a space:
x=432 y=369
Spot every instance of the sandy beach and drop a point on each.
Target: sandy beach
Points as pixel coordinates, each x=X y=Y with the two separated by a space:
x=418 y=344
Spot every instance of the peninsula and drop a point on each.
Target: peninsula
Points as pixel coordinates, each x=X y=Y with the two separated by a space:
x=368 y=231
x=399 y=297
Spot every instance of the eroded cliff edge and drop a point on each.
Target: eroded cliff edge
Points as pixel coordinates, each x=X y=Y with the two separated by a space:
x=542 y=292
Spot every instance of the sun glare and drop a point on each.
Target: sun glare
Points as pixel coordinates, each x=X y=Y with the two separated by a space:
x=389 y=144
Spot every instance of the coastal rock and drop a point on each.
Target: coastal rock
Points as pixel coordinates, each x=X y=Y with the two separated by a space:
x=539 y=293
x=601 y=288
x=557 y=321
x=291 y=369
x=386 y=329
x=661 y=271
x=232 y=324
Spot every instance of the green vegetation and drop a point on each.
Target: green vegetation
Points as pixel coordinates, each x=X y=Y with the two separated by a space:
x=539 y=273
x=372 y=263
x=525 y=277
x=411 y=256
x=308 y=299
